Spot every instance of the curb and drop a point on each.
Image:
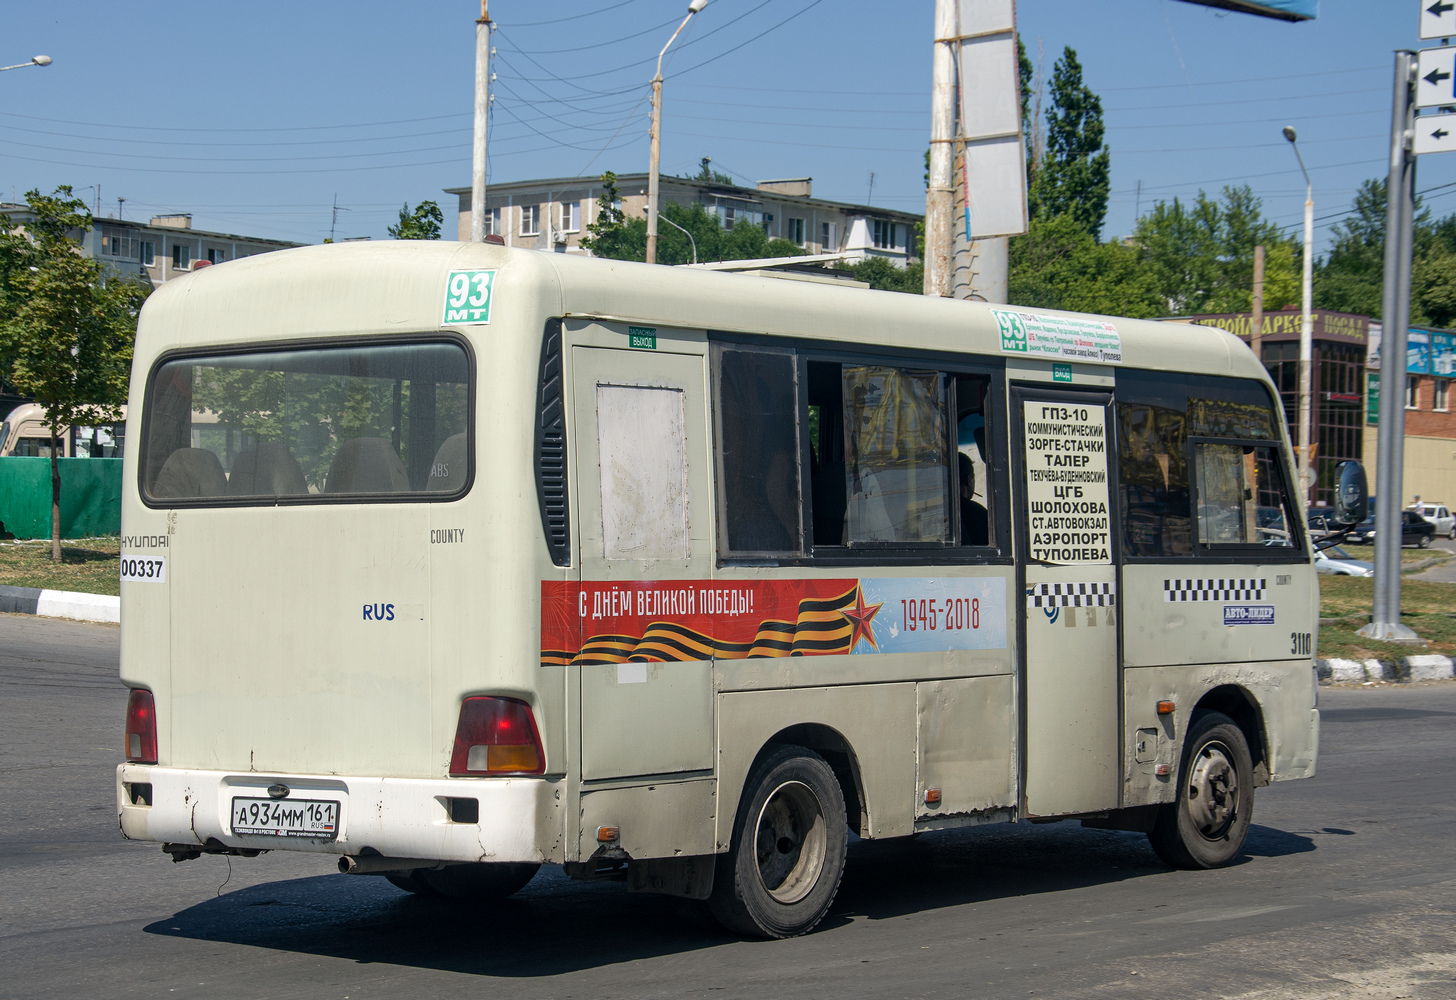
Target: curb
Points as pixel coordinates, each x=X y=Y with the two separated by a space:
x=60 y=604
x=1422 y=667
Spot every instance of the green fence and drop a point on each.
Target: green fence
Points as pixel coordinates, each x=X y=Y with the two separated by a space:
x=90 y=497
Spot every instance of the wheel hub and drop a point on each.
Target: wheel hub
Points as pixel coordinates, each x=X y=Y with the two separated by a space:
x=1213 y=791
x=790 y=842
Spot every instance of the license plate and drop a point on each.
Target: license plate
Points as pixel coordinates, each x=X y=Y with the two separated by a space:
x=315 y=819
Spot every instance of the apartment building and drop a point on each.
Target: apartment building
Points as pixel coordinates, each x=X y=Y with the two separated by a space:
x=553 y=214
x=165 y=247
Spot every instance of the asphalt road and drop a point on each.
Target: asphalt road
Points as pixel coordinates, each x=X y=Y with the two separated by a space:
x=1347 y=889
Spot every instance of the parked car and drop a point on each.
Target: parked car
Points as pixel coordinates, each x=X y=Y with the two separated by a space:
x=1439 y=515
x=1337 y=561
x=1415 y=530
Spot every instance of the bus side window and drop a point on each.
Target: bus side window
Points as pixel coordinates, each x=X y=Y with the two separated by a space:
x=972 y=461
x=897 y=455
x=826 y=426
x=758 y=451
x=1152 y=442
x=1241 y=496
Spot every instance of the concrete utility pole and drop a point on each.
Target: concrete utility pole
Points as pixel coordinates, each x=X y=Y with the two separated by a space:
x=1395 y=329
x=693 y=8
x=940 y=195
x=478 y=211
x=1306 y=329
x=1256 y=329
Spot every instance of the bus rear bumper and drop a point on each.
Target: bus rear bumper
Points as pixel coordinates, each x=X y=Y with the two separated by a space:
x=517 y=819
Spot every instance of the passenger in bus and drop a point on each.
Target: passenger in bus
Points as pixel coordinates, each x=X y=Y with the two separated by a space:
x=975 y=526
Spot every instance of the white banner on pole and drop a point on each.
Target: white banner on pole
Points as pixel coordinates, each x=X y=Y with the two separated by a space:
x=990 y=112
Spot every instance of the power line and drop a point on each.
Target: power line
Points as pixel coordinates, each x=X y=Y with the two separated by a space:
x=750 y=41
x=289 y=128
x=573 y=17
x=598 y=45
x=1260 y=79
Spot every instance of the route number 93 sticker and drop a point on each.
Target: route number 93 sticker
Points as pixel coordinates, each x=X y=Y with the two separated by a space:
x=467 y=297
x=143 y=569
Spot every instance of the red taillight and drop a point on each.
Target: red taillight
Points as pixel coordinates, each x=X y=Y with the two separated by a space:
x=141 y=728
x=496 y=736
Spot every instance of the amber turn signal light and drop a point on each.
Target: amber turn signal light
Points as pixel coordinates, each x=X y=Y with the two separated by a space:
x=608 y=834
x=932 y=796
x=1166 y=707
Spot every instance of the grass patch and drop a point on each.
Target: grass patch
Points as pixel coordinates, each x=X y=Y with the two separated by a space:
x=1426 y=607
x=88 y=565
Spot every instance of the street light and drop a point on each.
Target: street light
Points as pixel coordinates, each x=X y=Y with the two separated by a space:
x=685 y=233
x=693 y=8
x=1306 y=328
x=34 y=61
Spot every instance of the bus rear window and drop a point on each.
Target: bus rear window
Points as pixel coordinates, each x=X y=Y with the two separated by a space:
x=329 y=423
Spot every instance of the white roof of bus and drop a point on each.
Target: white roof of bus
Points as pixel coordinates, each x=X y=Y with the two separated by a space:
x=399 y=286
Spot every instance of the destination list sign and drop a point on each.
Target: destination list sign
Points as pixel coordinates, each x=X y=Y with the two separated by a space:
x=1066 y=338
x=1066 y=483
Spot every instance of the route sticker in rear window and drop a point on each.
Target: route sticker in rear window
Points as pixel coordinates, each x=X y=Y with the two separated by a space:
x=467 y=297
x=1067 y=338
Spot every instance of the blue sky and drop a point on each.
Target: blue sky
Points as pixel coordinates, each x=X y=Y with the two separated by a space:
x=256 y=116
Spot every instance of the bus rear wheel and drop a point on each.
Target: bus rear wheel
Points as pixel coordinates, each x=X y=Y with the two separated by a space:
x=1206 y=826
x=782 y=871
x=482 y=880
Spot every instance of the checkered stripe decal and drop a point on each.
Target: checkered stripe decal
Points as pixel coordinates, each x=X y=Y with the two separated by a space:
x=1071 y=595
x=1177 y=591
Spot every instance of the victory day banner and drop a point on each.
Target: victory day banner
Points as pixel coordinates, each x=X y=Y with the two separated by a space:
x=644 y=621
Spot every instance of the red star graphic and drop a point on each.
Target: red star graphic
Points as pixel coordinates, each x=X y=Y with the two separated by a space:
x=861 y=615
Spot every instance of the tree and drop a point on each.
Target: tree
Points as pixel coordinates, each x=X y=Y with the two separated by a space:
x=421 y=224
x=708 y=174
x=66 y=339
x=1075 y=177
x=608 y=232
x=1200 y=257
x=615 y=236
x=1059 y=265
x=887 y=276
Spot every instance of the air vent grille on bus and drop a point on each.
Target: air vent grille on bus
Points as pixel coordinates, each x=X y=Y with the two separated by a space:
x=551 y=447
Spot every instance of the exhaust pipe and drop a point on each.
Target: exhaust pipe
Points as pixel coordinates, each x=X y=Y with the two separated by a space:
x=378 y=864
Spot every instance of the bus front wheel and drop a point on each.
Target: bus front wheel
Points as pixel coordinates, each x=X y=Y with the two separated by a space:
x=787 y=856
x=1206 y=826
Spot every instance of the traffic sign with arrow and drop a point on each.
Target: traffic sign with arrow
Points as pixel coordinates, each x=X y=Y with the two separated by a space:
x=1438 y=18
x=1436 y=77
x=1435 y=134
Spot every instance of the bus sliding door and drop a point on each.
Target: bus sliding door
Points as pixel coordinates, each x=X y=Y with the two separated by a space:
x=641 y=447
x=1069 y=610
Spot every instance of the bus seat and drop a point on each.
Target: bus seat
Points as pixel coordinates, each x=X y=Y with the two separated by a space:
x=266 y=469
x=366 y=465
x=451 y=467
x=190 y=472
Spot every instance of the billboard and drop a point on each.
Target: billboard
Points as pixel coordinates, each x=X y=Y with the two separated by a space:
x=1427 y=352
x=1286 y=10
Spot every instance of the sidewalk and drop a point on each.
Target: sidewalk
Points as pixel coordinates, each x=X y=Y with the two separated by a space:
x=60 y=604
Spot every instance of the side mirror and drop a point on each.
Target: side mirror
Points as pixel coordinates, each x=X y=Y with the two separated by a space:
x=1351 y=494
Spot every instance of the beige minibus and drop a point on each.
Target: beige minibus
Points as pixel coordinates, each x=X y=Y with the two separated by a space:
x=454 y=560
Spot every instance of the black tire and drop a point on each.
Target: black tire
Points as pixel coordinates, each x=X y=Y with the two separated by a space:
x=1425 y=541
x=783 y=868
x=483 y=880
x=1206 y=826
x=409 y=883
